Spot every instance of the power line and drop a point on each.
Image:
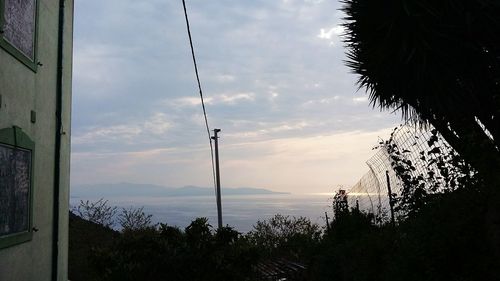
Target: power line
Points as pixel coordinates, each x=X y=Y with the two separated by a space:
x=201 y=92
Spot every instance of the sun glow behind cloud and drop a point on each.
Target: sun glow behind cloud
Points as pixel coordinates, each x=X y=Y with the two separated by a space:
x=331 y=34
x=324 y=160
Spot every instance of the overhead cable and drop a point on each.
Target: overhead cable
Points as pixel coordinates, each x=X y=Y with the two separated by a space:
x=200 y=90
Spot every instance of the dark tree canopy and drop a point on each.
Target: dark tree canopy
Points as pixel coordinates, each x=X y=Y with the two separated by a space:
x=438 y=62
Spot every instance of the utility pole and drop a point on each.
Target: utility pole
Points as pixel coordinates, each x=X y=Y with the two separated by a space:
x=391 y=203
x=217 y=177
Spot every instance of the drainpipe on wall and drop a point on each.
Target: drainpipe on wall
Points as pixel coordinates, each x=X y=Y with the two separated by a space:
x=57 y=153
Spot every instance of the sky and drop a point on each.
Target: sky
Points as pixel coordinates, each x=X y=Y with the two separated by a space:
x=274 y=81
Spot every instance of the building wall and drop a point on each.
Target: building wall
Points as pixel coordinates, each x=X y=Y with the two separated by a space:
x=23 y=90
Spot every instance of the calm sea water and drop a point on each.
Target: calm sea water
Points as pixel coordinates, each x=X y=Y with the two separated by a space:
x=241 y=212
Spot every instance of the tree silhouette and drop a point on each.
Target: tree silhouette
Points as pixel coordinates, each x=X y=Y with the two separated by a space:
x=438 y=62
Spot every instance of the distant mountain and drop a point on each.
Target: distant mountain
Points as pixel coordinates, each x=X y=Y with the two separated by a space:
x=133 y=189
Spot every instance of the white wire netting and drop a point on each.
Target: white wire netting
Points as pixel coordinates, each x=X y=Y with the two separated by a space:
x=420 y=148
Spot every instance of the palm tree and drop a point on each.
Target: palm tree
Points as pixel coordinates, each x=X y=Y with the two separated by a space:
x=438 y=61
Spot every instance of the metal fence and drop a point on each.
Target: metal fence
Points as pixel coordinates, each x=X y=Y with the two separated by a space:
x=422 y=147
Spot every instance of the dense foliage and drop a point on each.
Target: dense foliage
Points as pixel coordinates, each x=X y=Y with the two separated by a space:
x=168 y=253
x=444 y=240
x=284 y=236
x=426 y=170
x=441 y=230
x=439 y=63
x=164 y=252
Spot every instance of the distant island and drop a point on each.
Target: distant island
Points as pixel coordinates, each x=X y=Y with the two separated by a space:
x=150 y=190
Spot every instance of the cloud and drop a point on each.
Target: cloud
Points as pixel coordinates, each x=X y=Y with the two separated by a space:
x=323 y=101
x=166 y=166
x=282 y=164
x=234 y=98
x=97 y=65
x=314 y=1
x=331 y=34
x=328 y=34
x=360 y=99
x=224 y=99
x=268 y=129
x=187 y=101
x=158 y=124
x=324 y=160
x=125 y=133
x=132 y=133
x=267 y=75
x=225 y=78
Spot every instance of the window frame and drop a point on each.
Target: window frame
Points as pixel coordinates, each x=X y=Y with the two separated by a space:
x=14 y=51
x=16 y=138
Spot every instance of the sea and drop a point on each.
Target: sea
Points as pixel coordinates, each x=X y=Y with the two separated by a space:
x=238 y=211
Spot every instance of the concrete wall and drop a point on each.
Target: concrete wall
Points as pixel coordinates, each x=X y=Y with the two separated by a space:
x=23 y=90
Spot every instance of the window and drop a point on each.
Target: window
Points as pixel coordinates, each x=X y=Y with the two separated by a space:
x=16 y=186
x=18 y=24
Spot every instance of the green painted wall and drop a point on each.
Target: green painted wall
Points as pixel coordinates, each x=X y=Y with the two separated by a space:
x=23 y=90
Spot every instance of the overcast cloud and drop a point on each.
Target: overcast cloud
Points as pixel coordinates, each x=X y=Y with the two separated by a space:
x=273 y=79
